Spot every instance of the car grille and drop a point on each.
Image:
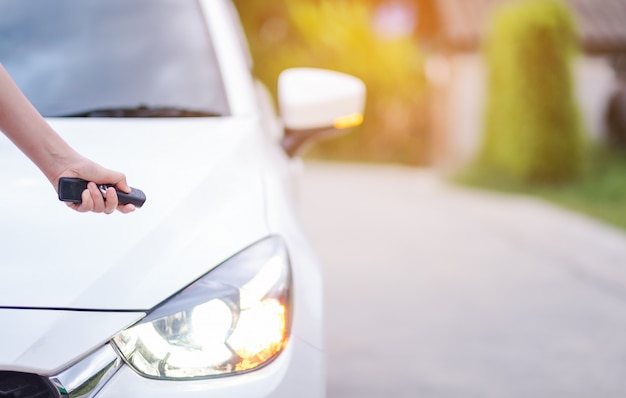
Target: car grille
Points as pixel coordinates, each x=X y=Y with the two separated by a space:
x=24 y=385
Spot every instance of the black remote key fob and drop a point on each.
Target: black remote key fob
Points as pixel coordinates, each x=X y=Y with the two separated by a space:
x=71 y=189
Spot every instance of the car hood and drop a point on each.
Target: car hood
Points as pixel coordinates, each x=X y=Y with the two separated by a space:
x=204 y=203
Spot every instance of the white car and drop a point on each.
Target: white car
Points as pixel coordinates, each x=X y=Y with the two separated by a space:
x=211 y=289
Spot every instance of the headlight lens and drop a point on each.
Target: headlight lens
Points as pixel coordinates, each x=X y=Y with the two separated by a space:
x=234 y=319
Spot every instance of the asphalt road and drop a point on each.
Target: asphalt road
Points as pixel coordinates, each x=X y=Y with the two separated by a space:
x=436 y=291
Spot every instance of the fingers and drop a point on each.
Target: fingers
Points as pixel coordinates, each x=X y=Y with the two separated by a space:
x=122 y=185
x=96 y=197
x=93 y=201
x=86 y=169
x=86 y=202
x=129 y=208
x=110 y=203
x=92 y=197
x=115 y=178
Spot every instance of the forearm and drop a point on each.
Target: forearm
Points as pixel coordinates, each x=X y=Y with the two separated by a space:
x=29 y=131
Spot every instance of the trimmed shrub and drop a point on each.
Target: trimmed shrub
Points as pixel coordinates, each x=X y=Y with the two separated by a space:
x=532 y=125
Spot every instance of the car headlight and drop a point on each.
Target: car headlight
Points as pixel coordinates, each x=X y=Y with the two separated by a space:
x=234 y=319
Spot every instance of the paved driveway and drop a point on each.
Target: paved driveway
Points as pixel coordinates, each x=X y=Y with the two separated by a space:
x=435 y=291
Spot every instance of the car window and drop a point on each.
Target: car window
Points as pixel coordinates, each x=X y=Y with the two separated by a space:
x=74 y=56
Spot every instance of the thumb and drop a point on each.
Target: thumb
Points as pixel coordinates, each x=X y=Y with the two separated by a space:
x=119 y=180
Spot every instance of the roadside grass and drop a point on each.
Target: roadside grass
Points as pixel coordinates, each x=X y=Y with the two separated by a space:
x=599 y=192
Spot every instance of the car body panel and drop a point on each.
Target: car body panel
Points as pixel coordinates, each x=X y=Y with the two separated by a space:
x=44 y=341
x=69 y=282
x=280 y=378
x=233 y=56
x=197 y=214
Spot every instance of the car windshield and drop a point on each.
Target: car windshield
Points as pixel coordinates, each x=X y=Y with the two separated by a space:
x=122 y=58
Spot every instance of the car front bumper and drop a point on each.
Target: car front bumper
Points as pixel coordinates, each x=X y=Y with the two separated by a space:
x=298 y=371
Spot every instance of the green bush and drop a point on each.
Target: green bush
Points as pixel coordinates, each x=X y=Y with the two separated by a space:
x=532 y=126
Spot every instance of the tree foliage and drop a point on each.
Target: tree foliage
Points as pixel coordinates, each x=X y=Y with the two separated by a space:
x=533 y=130
x=338 y=35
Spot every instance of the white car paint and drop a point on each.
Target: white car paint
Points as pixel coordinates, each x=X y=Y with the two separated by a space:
x=69 y=282
x=205 y=203
x=46 y=342
x=306 y=93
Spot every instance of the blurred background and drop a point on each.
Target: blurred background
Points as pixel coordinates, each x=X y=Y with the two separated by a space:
x=472 y=229
x=375 y=41
x=524 y=97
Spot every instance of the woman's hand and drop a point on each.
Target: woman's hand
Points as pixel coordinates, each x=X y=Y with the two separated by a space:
x=29 y=131
x=92 y=198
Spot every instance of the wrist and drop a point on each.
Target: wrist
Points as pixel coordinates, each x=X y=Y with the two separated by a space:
x=58 y=161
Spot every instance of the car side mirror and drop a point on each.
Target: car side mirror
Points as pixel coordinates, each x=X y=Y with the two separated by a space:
x=317 y=103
